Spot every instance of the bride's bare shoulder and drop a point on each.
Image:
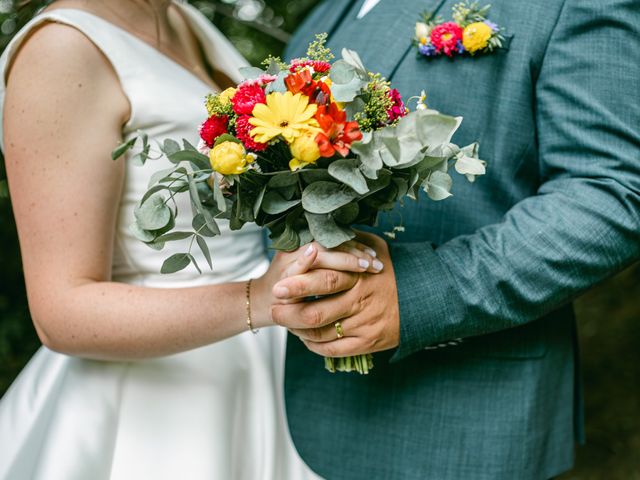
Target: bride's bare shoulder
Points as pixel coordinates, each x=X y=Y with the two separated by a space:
x=54 y=47
x=56 y=59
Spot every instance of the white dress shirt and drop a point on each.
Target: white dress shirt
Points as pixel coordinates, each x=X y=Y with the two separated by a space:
x=367 y=7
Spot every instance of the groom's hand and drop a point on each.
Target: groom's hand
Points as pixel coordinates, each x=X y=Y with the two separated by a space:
x=365 y=304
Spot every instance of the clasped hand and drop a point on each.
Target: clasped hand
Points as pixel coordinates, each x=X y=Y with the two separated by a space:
x=365 y=303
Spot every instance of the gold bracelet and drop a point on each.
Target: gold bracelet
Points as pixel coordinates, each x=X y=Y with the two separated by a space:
x=249 y=322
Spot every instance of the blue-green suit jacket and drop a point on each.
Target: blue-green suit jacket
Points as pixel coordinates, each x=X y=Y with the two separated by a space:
x=557 y=115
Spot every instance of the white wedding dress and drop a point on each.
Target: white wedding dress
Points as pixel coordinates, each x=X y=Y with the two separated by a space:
x=214 y=413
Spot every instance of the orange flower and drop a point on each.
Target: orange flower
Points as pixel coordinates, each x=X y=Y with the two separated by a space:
x=337 y=134
x=303 y=82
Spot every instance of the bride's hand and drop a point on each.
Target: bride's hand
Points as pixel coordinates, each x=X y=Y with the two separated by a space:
x=353 y=257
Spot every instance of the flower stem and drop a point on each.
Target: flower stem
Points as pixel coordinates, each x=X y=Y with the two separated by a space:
x=359 y=363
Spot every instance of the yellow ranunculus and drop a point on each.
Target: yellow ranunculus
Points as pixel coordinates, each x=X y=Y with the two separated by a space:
x=305 y=149
x=227 y=95
x=476 y=36
x=229 y=158
x=284 y=114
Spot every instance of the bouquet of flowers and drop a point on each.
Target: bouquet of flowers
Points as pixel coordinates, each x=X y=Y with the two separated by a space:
x=306 y=149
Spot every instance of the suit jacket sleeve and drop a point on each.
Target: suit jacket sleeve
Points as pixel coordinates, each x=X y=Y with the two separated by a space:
x=584 y=222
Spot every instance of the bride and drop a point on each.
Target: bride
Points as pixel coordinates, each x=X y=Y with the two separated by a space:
x=141 y=375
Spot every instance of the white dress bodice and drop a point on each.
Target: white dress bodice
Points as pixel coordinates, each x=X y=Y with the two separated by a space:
x=212 y=413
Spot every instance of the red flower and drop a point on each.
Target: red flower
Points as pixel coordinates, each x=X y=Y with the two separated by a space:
x=338 y=134
x=318 y=67
x=212 y=128
x=445 y=38
x=247 y=96
x=397 y=110
x=243 y=130
x=303 y=82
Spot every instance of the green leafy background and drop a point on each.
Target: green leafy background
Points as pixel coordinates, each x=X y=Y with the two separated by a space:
x=608 y=315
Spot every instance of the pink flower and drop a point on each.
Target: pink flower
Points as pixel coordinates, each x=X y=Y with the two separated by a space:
x=445 y=38
x=397 y=110
x=243 y=130
x=247 y=96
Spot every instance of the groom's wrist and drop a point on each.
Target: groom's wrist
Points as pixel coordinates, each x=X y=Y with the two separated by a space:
x=428 y=310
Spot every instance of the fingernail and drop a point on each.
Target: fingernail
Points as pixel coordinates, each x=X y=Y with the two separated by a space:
x=363 y=263
x=308 y=251
x=377 y=265
x=281 y=292
x=370 y=252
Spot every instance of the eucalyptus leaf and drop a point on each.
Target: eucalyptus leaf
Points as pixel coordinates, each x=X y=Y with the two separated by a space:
x=305 y=236
x=169 y=146
x=251 y=73
x=369 y=155
x=187 y=146
x=347 y=214
x=179 y=187
x=288 y=240
x=175 y=263
x=438 y=185
x=273 y=203
x=278 y=84
x=284 y=179
x=218 y=196
x=140 y=158
x=159 y=175
x=348 y=91
x=258 y=202
x=352 y=58
x=311 y=175
x=204 y=248
x=226 y=137
x=468 y=164
x=273 y=68
x=435 y=129
x=353 y=107
x=153 y=190
x=195 y=264
x=348 y=172
x=204 y=224
x=123 y=148
x=200 y=161
x=173 y=236
x=342 y=72
x=153 y=214
x=325 y=197
x=326 y=232
x=141 y=234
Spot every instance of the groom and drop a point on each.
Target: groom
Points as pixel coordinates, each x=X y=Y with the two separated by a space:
x=557 y=114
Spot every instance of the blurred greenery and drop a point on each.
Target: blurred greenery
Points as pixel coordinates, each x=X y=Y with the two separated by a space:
x=608 y=315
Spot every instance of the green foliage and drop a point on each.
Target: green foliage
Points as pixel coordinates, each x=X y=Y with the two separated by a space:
x=318 y=50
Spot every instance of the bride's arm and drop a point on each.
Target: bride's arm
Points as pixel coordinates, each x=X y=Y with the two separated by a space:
x=63 y=115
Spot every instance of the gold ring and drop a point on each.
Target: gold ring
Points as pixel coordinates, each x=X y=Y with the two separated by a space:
x=339 y=331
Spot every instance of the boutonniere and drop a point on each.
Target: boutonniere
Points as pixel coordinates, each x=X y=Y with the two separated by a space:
x=469 y=32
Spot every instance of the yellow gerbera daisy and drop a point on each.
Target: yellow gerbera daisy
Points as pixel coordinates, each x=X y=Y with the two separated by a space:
x=284 y=114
